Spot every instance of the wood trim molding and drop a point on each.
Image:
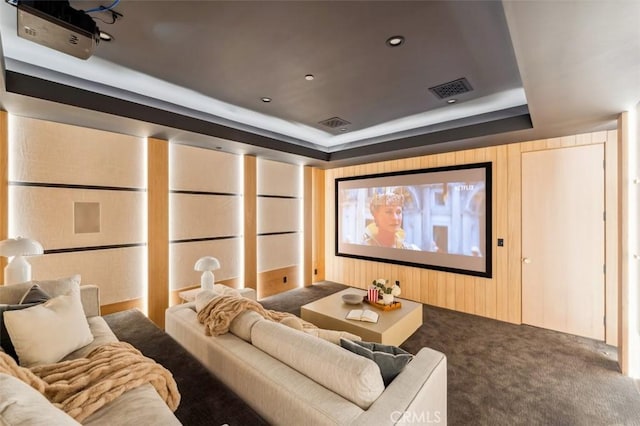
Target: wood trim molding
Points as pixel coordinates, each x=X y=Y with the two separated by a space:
x=158 y=229
x=318 y=215
x=250 y=223
x=122 y=306
x=308 y=220
x=611 y=238
x=623 y=271
x=4 y=188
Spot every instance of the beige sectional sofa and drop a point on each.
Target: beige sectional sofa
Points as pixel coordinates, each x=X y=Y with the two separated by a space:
x=292 y=378
x=138 y=406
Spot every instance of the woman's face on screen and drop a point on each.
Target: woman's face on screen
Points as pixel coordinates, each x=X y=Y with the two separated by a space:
x=388 y=218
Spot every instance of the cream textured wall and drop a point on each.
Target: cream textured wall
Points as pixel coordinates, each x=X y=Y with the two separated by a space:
x=279 y=193
x=205 y=213
x=120 y=221
x=44 y=151
x=52 y=166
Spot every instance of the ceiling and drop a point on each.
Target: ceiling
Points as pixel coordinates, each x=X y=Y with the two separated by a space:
x=195 y=73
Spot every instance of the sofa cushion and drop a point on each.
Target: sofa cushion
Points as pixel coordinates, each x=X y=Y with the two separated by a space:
x=138 y=406
x=45 y=333
x=20 y=404
x=11 y=294
x=390 y=359
x=34 y=295
x=102 y=335
x=242 y=324
x=5 y=340
x=353 y=377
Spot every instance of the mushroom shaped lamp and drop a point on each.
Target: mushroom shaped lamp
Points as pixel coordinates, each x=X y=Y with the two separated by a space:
x=206 y=265
x=18 y=269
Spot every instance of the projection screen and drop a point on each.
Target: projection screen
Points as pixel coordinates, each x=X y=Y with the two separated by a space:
x=437 y=218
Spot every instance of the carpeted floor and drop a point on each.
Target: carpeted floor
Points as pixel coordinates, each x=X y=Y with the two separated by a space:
x=498 y=373
x=505 y=374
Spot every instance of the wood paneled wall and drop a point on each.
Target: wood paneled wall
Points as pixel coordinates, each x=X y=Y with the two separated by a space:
x=4 y=189
x=273 y=281
x=317 y=232
x=499 y=297
x=158 y=229
x=307 y=217
x=250 y=223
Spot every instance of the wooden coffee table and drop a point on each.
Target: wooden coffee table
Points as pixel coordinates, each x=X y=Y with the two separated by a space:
x=392 y=328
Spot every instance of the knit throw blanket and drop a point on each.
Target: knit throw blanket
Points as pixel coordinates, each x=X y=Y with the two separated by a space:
x=221 y=310
x=82 y=386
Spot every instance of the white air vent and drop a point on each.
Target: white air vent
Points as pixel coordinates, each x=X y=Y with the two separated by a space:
x=452 y=88
x=335 y=122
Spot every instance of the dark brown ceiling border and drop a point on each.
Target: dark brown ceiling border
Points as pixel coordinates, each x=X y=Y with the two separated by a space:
x=27 y=85
x=518 y=118
x=520 y=121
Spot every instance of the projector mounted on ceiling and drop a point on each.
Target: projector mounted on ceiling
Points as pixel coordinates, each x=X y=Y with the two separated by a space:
x=57 y=25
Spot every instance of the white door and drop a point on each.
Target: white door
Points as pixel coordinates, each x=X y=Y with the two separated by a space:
x=563 y=240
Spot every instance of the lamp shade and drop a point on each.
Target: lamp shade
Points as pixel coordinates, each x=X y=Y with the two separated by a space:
x=207 y=264
x=18 y=270
x=20 y=247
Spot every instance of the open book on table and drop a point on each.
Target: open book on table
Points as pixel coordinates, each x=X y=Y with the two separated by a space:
x=363 y=315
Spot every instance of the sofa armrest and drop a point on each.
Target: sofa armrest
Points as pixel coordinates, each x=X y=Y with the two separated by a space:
x=249 y=293
x=417 y=395
x=90 y=296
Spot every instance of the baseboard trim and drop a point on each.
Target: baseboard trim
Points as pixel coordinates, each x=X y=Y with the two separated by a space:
x=273 y=281
x=121 y=306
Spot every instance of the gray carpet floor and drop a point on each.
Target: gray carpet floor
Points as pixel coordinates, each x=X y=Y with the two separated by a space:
x=498 y=373
x=505 y=374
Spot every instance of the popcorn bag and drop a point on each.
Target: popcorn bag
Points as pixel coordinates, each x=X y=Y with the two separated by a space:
x=372 y=294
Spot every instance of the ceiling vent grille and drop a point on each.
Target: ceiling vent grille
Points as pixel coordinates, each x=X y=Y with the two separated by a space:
x=335 y=122
x=452 y=88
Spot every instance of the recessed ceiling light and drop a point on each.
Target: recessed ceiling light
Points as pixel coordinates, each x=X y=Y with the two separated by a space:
x=452 y=101
x=218 y=147
x=309 y=77
x=105 y=36
x=343 y=130
x=395 y=41
x=265 y=99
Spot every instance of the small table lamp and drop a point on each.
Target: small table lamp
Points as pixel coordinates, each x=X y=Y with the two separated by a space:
x=18 y=269
x=207 y=264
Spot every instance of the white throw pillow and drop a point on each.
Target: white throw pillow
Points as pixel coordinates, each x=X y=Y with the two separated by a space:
x=48 y=332
x=20 y=404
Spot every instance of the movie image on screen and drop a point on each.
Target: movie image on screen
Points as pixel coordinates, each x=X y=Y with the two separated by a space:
x=436 y=218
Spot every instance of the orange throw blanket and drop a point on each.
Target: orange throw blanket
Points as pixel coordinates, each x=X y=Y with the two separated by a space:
x=82 y=386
